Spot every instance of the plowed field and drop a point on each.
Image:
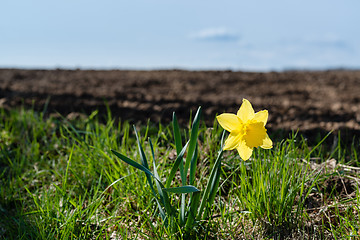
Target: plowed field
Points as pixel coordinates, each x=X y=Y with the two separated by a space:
x=305 y=100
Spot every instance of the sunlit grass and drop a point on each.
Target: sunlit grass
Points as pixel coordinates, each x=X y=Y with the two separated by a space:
x=60 y=180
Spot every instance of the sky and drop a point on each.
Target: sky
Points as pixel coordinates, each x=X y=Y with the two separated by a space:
x=259 y=35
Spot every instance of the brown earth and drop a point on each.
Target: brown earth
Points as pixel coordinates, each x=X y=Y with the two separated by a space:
x=305 y=100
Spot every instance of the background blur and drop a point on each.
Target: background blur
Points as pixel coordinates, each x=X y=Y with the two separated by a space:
x=139 y=34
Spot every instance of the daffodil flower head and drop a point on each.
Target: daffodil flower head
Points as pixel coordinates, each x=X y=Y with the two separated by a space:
x=247 y=130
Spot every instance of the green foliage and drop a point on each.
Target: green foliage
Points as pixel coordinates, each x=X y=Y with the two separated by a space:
x=191 y=210
x=272 y=187
x=59 y=179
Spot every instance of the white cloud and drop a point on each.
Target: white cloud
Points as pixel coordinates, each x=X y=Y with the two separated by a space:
x=215 y=34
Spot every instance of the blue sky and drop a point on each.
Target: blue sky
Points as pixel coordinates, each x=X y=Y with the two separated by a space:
x=257 y=35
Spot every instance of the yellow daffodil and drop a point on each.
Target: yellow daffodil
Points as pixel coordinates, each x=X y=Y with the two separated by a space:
x=247 y=130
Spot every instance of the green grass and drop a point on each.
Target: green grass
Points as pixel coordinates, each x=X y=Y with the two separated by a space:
x=60 y=180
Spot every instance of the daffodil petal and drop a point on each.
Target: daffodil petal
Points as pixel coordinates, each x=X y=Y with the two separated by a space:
x=232 y=141
x=229 y=121
x=261 y=116
x=246 y=111
x=267 y=143
x=255 y=134
x=244 y=150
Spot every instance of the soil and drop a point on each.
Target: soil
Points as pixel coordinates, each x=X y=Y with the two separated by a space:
x=309 y=101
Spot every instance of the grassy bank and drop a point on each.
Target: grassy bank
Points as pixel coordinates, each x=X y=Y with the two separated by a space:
x=60 y=180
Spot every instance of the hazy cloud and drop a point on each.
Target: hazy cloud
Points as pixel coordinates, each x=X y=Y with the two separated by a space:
x=305 y=52
x=215 y=34
x=329 y=42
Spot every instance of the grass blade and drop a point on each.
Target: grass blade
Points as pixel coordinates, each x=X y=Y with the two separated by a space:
x=312 y=150
x=67 y=169
x=211 y=185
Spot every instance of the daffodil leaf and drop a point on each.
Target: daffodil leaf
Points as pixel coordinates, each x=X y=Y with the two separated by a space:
x=178 y=145
x=193 y=163
x=141 y=151
x=163 y=195
x=182 y=189
x=177 y=135
x=135 y=165
x=175 y=167
x=179 y=161
x=144 y=162
x=192 y=210
x=193 y=139
x=131 y=162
